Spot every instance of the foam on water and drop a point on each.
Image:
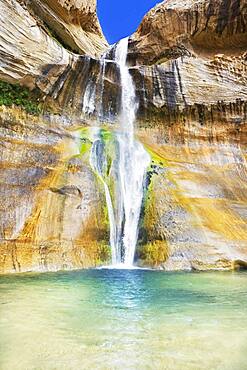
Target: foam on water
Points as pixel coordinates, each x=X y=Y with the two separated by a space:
x=123 y=266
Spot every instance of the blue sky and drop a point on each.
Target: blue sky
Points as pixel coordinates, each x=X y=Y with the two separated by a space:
x=120 y=18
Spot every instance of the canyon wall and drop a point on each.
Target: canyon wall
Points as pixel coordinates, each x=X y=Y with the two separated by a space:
x=188 y=61
x=52 y=208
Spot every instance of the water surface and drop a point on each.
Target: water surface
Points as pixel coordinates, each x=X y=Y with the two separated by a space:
x=121 y=319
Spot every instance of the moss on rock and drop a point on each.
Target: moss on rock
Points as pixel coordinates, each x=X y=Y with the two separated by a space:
x=103 y=254
x=153 y=254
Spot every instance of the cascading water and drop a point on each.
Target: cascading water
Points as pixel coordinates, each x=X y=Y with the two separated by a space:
x=133 y=160
x=130 y=166
x=99 y=164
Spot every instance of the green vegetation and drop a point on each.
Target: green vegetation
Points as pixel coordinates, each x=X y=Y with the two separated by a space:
x=11 y=94
x=85 y=146
x=103 y=254
x=153 y=254
x=85 y=143
x=108 y=139
x=157 y=159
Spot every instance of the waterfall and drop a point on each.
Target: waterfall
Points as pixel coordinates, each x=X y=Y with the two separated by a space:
x=98 y=163
x=133 y=159
x=130 y=166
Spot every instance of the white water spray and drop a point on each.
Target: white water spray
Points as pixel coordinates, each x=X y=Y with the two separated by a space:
x=132 y=162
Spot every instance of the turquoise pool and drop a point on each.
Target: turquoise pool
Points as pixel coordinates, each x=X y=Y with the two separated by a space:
x=123 y=319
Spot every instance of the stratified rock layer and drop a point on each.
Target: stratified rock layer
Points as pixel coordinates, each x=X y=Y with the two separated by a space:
x=178 y=28
x=25 y=49
x=196 y=201
x=51 y=206
x=30 y=52
x=75 y=23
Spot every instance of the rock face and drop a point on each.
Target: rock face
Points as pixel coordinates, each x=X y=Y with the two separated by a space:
x=195 y=124
x=51 y=216
x=75 y=23
x=178 y=28
x=22 y=61
x=188 y=62
x=52 y=213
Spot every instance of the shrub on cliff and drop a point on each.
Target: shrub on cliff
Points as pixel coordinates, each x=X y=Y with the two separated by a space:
x=20 y=96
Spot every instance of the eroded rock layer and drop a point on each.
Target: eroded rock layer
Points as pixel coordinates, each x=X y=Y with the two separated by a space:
x=178 y=28
x=52 y=207
x=74 y=23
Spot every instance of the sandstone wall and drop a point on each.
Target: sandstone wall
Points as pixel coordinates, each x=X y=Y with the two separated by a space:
x=74 y=23
x=176 y=28
x=52 y=206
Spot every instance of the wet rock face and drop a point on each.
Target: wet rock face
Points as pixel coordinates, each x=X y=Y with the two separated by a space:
x=189 y=66
x=86 y=90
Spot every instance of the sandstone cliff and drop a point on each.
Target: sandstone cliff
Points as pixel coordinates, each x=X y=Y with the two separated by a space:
x=44 y=186
x=29 y=49
x=189 y=63
x=74 y=23
x=197 y=50
x=180 y=28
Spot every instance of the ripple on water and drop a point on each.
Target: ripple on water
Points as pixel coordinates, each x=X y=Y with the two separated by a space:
x=114 y=318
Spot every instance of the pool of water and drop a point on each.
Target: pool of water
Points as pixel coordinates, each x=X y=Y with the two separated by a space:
x=120 y=319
